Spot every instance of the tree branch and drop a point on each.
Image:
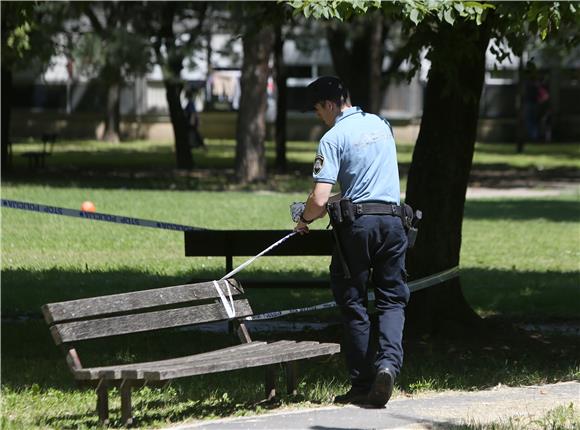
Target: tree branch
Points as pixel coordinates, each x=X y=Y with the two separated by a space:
x=97 y=25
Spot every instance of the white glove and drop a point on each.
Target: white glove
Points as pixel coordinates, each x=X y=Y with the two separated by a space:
x=296 y=210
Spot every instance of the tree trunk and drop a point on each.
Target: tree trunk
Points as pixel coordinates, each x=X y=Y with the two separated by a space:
x=520 y=114
x=360 y=65
x=280 y=72
x=373 y=43
x=251 y=124
x=171 y=62
x=113 y=117
x=182 y=150
x=6 y=111
x=439 y=173
x=209 y=67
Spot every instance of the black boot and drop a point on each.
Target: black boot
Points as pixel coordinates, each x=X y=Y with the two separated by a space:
x=353 y=396
x=382 y=388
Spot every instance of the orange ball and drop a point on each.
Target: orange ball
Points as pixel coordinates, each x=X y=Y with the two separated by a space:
x=88 y=207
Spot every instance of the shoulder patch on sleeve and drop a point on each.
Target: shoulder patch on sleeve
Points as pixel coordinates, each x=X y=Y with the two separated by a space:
x=318 y=163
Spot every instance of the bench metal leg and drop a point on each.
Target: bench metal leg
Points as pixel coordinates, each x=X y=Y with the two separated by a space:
x=103 y=401
x=126 y=410
x=229 y=263
x=291 y=374
x=270 y=384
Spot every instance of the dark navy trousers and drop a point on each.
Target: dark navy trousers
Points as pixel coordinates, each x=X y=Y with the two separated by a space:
x=374 y=247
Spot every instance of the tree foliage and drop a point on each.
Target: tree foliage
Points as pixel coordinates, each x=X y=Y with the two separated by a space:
x=16 y=27
x=110 y=47
x=456 y=36
x=514 y=22
x=29 y=40
x=360 y=42
x=29 y=33
x=333 y=9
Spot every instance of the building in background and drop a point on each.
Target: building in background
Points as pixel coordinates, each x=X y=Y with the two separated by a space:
x=61 y=101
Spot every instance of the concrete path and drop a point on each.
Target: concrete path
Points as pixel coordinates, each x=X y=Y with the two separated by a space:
x=521 y=192
x=550 y=190
x=438 y=411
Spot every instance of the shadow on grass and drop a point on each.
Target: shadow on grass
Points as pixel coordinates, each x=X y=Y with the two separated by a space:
x=524 y=295
x=216 y=173
x=182 y=405
x=561 y=150
x=298 y=179
x=32 y=366
x=25 y=291
x=503 y=355
x=147 y=165
x=125 y=178
x=523 y=209
x=30 y=362
x=503 y=175
x=511 y=293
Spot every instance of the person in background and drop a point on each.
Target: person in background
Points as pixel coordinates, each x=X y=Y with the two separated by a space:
x=544 y=110
x=192 y=119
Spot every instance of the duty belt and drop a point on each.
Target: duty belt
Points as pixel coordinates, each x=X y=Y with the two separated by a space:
x=378 y=209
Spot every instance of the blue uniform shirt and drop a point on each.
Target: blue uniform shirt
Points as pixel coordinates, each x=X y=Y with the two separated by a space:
x=359 y=152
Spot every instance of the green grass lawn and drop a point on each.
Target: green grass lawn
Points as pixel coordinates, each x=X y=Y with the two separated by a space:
x=150 y=165
x=221 y=154
x=519 y=262
x=561 y=417
x=519 y=257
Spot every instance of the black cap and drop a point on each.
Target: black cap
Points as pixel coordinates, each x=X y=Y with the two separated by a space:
x=324 y=88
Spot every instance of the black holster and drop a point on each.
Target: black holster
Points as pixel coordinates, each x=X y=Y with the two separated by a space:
x=411 y=221
x=340 y=212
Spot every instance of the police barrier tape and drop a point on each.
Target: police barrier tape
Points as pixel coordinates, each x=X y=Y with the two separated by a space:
x=254 y=258
x=417 y=285
x=96 y=216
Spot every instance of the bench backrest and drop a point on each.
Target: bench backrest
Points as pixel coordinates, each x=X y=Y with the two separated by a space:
x=250 y=242
x=141 y=311
x=48 y=141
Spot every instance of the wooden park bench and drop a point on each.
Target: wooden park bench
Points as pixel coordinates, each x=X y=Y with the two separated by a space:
x=230 y=243
x=144 y=311
x=36 y=159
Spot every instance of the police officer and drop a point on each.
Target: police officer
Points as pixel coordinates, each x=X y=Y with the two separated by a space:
x=359 y=153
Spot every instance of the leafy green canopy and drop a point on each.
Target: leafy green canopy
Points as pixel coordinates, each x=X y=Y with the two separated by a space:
x=414 y=10
x=29 y=32
x=512 y=22
x=16 y=28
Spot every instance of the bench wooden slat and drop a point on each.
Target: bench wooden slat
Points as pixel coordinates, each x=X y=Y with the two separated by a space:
x=298 y=353
x=194 y=360
x=117 y=303
x=250 y=242
x=282 y=283
x=114 y=371
x=254 y=348
x=136 y=370
x=112 y=326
